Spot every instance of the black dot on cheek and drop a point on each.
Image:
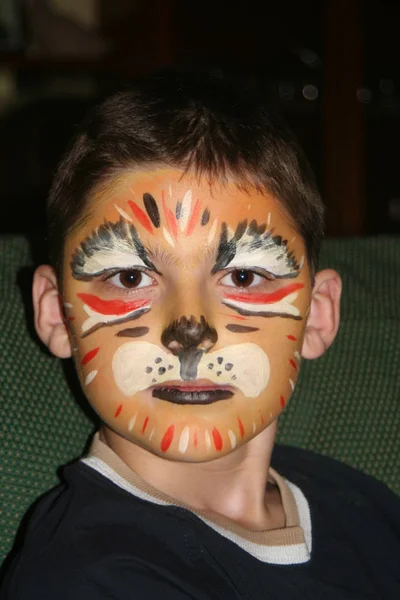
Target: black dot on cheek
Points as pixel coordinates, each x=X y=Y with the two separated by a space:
x=148 y=369
x=219 y=360
x=228 y=366
x=233 y=377
x=219 y=373
x=170 y=367
x=211 y=366
x=158 y=360
x=161 y=370
x=153 y=380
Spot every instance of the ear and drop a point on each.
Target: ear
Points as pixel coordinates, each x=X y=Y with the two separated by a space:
x=324 y=316
x=49 y=319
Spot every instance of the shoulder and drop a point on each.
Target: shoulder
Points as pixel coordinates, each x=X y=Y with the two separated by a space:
x=322 y=475
x=88 y=538
x=348 y=508
x=91 y=580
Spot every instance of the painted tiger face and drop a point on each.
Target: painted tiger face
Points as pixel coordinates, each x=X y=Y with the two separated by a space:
x=186 y=306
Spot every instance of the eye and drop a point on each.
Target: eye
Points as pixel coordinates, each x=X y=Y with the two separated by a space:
x=242 y=278
x=132 y=279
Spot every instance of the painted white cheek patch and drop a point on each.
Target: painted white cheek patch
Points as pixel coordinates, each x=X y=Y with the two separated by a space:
x=282 y=307
x=139 y=365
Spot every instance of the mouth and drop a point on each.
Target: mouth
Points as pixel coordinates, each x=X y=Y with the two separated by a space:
x=192 y=392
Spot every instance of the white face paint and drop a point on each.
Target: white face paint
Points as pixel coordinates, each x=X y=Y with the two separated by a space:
x=212 y=233
x=271 y=257
x=282 y=307
x=185 y=210
x=110 y=246
x=140 y=365
x=123 y=214
x=97 y=319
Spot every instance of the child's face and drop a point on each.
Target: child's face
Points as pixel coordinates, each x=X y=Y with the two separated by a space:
x=186 y=308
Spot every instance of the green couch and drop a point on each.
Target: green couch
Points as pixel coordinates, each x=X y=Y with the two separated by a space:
x=347 y=404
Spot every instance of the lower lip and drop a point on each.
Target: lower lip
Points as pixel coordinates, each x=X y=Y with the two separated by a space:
x=191 y=395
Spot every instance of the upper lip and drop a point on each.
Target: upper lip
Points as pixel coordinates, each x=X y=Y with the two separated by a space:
x=198 y=384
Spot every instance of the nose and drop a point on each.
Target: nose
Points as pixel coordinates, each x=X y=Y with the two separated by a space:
x=189 y=338
x=189 y=333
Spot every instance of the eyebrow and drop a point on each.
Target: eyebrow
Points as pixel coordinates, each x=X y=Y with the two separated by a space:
x=252 y=245
x=111 y=245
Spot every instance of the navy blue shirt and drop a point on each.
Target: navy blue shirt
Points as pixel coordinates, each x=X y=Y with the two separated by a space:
x=89 y=539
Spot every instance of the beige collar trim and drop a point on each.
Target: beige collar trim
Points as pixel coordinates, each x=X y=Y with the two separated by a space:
x=289 y=545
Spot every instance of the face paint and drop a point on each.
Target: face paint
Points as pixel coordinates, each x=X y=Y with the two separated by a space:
x=109 y=312
x=243 y=366
x=251 y=246
x=240 y=328
x=152 y=209
x=279 y=303
x=133 y=332
x=111 y=246
x=209 y=361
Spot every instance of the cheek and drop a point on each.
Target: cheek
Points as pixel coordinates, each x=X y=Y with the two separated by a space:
x=93 y=356
x=283 y=349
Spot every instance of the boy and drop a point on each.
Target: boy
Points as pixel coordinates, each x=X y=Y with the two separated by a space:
x=185 y=228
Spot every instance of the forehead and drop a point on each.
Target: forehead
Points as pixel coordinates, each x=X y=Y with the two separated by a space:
x=149 y=197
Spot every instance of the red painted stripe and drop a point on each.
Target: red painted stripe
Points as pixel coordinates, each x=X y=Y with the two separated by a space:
x=282 y=401
x=291 y=338
x=71 y=318
x=141 y=216
x=167 y=439
x=89 y=355
x=118 y=410
x=195 y=439
x=217 y=439
x=112 y=307
x=169 y=215
x=293 y=363
x=145 y=425
x=266 y=298
x=241 y=428
x=193 y=218
x=235 y=317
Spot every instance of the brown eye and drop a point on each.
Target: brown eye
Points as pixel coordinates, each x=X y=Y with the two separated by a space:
x=242 y=278
x=130 y=279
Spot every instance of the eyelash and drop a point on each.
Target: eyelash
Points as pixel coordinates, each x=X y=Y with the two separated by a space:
x=264 y=274
x=124 y=290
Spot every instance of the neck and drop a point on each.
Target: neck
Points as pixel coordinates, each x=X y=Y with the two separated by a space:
x=234 y=486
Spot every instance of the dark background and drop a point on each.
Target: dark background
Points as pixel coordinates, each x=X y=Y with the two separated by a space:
x=331 y=66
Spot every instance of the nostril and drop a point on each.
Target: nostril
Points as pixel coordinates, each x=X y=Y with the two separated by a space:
x=174 y=346
x=206 y=345
x=189 y=333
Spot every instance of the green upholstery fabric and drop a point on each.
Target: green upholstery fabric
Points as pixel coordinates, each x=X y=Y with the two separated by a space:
x=346 y=404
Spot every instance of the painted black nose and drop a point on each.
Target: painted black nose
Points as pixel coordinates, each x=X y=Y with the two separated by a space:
x=185 y=333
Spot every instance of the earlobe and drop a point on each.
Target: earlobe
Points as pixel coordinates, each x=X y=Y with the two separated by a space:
x=49 y=320
x=324 y=316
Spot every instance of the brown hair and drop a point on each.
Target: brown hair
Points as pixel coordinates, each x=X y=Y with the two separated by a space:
x=189 y=121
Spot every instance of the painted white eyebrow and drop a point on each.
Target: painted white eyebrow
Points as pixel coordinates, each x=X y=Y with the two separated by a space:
x=111 y=246
x=120 y=257
x=272 y=259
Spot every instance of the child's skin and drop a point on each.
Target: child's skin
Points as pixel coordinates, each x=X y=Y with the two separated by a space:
x=190 y=356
